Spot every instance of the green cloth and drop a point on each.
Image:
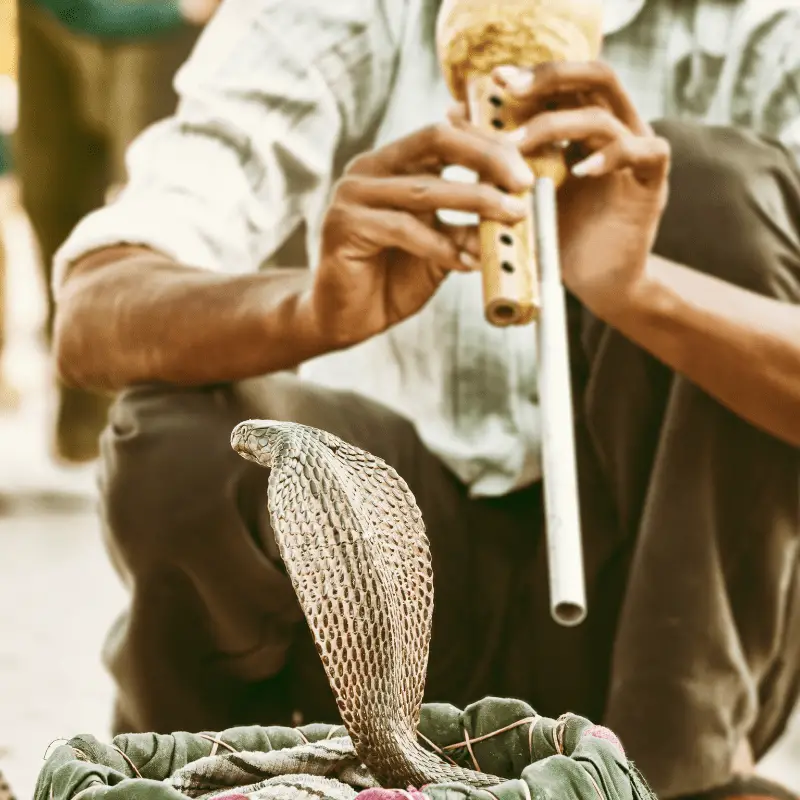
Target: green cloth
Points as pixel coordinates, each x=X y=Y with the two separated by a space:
x=116 y=19
x=535 y=758
x=6 y=160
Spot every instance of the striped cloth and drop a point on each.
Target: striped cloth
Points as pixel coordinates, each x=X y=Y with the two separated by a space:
x=328 y=769
x=281 y=93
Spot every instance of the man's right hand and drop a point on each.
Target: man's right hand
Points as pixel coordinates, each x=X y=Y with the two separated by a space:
x=384 y=252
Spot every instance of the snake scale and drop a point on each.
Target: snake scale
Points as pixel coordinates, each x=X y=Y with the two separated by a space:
x=353 y=541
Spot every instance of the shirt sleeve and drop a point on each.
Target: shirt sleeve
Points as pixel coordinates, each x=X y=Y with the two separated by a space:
x=760 y=84
x=114 y=19
x=274 y=96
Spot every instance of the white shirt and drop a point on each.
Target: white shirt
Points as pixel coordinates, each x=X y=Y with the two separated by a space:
x=280 y=94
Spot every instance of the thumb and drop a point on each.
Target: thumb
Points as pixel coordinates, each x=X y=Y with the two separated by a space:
x=465 y=238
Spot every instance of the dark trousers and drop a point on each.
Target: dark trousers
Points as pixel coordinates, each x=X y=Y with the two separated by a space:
x=690 y=514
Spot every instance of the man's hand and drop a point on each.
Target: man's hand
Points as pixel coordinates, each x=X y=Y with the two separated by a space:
x=696 y=324
x=384 y=253
x=610 y=210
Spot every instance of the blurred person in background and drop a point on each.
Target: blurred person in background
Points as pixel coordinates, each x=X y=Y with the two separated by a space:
x=681 y=251
x=9 y=397
x=92 y=75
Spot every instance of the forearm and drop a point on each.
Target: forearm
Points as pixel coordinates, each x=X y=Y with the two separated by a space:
x=128 y=316
x=739 y=347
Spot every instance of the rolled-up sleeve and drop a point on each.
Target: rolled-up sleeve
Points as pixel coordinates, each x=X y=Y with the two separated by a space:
x=274 y=92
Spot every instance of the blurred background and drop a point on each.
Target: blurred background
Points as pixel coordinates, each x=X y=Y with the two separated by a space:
x=78 y=81
x=74 y=90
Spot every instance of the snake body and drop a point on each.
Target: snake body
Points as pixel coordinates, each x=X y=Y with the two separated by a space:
x=353 y=541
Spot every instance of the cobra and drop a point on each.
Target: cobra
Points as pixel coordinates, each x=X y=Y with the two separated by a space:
x=353 y=541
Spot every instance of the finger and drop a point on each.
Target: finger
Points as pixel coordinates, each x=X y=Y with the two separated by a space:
x=437 y=146
x=466 y=239
x=428 y=193
x=458 y=115
x=387 y=229
x=592 y=125
x=569 y=78
x=647 y=156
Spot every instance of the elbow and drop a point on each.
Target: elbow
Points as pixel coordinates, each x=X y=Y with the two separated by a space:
x=79 y=362
x=84 y=348
x=80 y=346
x=69 y=356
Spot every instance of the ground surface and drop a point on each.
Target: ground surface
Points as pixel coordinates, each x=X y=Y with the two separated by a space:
x=58 y=594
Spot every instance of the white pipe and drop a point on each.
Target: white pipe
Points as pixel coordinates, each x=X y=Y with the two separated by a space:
x=562 y=507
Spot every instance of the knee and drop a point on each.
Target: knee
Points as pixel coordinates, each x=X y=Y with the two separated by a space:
x=167 y=471
x=734 y=208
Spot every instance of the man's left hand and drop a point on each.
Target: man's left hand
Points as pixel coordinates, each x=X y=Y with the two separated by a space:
x=611 y=205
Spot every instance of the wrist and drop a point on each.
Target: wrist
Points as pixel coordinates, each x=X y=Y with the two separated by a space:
x=645 y=299
x=652 y=313
x=318 y=335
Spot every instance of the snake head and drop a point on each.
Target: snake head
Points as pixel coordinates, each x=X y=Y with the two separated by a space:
x=270 y=443
x=255 y=440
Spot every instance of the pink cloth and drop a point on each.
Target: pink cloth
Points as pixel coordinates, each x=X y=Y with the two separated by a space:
x=391 y=794
x=599 y=732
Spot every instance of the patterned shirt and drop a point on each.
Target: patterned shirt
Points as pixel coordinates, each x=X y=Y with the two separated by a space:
x=280 y=94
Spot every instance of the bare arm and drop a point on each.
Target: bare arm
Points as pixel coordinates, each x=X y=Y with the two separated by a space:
x=129 y=315
x=740 y=347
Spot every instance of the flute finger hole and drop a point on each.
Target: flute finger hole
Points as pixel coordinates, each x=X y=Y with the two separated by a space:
x=507 y=239
x=498 y=123
x=507 y=266
x=496 y=101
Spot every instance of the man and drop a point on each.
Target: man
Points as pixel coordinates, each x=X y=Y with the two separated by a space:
x=686 y=370
x=92 y=75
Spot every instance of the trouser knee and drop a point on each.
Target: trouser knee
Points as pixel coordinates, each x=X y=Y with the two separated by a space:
x=168 y=474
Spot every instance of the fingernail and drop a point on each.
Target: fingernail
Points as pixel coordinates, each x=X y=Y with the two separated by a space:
x=514 y=205
x=523 y=173
x=515 y=78
x=517 y=135
x=505 y=72
x=589 y=166
x=468 y=260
